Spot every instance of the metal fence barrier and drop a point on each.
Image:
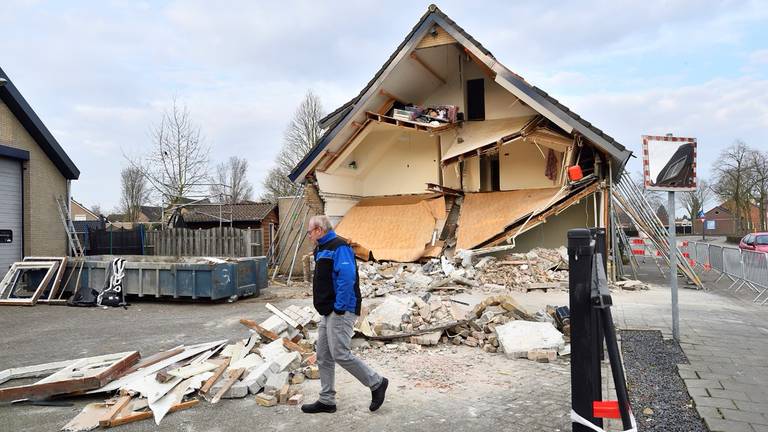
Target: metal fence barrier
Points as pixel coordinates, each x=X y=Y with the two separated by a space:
x=756 y=271
x=741 y=267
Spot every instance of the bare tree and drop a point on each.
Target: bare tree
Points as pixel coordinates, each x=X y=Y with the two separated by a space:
x=302 y=134
x=231 y=183
x=177 y=164
x=731 y=181
x=96 y=209
x=758 y=185
x=134 y=193
x=694 y=201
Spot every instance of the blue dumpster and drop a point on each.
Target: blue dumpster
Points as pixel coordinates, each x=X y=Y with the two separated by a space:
x=177 y=277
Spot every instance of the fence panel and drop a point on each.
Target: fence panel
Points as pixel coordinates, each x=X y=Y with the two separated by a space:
x=732 y=262
x=702 y=254
x=219 y=241
x=755 y=267
x=716 y=258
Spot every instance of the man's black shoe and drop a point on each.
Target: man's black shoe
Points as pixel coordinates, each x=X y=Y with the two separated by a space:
x=318 y=407
x=377 y=396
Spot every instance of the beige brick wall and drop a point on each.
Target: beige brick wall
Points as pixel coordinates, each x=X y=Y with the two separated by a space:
x=43 y=232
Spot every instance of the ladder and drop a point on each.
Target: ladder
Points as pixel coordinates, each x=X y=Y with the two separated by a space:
x=69 y=227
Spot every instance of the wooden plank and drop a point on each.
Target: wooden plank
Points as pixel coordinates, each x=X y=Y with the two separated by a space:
x=216 y=375
x=114 y=410
x=232 y=377
x=154 y=358
x=34 y=370
x=291 y=346
x=62 y=383
x=148 y=414
x=272 y=336
x=282 y=316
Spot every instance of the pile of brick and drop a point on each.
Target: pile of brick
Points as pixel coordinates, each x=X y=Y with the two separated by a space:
x=431 y=320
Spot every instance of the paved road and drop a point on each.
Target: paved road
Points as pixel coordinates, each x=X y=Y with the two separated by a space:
x=725 y=337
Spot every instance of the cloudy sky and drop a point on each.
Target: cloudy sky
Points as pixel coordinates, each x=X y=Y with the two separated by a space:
x=100 y=73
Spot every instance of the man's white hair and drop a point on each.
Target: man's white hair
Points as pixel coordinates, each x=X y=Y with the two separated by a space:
x=322 y=222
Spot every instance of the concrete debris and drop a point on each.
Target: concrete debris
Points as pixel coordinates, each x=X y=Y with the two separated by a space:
x=517 y=338
x=631 y=285
x=433 y=320
x=538 y=269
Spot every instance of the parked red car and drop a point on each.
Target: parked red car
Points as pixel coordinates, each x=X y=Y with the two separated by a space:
x=755 y=242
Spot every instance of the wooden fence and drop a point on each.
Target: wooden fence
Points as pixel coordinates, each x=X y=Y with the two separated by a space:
x=223 y=242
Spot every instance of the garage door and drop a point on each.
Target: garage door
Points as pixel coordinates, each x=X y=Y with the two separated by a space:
x=10 y=213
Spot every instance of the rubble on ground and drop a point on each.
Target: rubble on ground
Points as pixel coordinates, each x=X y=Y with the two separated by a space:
x=270 y=364
x=430 y=319
x=539 y=269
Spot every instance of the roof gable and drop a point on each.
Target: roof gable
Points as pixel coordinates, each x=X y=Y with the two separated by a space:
x=534 y=97
x=11 y=96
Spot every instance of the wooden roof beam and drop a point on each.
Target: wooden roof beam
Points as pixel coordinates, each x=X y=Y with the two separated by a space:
x=429 y=69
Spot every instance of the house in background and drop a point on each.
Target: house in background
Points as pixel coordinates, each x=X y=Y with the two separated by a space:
x=148 y=215
x=262 y=217
x=34 y=171
x=79 y=212
x=721 y=221
x=446 y=149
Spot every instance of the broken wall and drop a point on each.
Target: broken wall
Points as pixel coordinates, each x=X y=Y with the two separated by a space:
x=553 y=233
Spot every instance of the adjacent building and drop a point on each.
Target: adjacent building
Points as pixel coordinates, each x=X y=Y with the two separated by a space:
x=35 y=171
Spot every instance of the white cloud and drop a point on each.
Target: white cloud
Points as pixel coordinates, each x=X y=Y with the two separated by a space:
x=716 y=112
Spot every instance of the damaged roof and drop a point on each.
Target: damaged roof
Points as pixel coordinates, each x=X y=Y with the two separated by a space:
x=538 y=99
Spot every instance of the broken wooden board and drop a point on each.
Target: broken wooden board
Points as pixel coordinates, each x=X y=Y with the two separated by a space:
x=216 y=375
x=232 y=376
x=259 y=329
x=138 y=376
x=83 y=375
x=143 y=415
x=114 y=410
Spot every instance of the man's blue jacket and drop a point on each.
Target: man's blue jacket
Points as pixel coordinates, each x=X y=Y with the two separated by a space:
x=335 y=285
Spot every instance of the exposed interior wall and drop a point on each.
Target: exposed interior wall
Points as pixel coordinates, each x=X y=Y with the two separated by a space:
x=554 y=232
x=390 y=161
x=522 y=166
x=472 y=174
x=451 y=176
x=456 y=68
x=42 y=182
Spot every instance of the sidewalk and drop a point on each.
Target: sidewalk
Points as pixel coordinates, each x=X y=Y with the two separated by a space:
x=725 y=337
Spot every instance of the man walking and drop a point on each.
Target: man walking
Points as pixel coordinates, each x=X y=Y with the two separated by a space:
x=336 y=296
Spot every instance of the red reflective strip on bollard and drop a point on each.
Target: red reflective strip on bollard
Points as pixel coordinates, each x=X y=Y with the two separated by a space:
x=606 y=409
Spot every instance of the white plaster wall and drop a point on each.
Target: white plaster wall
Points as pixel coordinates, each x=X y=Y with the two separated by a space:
x=521 y=166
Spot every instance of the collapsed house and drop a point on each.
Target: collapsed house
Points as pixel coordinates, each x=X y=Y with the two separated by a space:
x=446 y=149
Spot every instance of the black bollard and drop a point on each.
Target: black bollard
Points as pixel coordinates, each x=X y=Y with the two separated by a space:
x=585 y=359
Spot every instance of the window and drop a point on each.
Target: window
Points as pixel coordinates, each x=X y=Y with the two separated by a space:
x=762 y=240
x=80 y=217
x=749 y=239
x=476 y=99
